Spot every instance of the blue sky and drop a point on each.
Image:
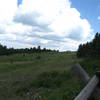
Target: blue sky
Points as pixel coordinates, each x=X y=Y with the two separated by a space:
x=54 y=24
x=20 y=2
x=89 y=9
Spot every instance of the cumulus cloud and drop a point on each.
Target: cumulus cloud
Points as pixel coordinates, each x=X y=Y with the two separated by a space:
x=2 y=29
x=7 y=10
x=49 y=23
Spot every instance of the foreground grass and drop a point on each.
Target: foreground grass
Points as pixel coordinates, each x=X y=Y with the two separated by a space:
x=45 y=76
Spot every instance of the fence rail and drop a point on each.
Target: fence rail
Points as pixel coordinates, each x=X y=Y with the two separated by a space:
x=92 y=89
x=88 y=90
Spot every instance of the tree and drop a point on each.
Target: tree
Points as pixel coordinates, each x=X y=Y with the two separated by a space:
x=8 y=51
x=90 y=49
x=39 y=49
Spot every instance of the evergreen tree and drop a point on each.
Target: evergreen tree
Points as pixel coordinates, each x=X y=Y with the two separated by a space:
x=90 y=49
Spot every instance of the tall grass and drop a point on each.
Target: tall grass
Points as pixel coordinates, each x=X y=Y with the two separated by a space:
x=91 y=65
x=42 y=76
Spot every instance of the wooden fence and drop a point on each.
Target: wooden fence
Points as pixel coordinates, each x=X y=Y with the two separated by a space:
x=91 y=91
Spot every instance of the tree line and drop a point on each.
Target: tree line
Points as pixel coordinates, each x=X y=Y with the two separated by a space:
x=90 y=49
x=9 y=51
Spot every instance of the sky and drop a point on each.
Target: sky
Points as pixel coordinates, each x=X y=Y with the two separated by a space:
x=54 y=24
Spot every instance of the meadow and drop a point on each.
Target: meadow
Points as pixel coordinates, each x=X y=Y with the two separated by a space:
x=38 y=76
x=91 y=65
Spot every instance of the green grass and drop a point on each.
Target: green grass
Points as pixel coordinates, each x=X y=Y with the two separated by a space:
x=45 y=76
x=91 y=65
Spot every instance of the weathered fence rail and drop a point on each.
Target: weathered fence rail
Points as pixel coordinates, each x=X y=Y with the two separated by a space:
x=88 y=90
x=80 y=72
x=92 y=89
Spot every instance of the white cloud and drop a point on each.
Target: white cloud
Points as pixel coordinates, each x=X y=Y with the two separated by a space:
x=7 y=10
x=16 y=44
x=49 y=23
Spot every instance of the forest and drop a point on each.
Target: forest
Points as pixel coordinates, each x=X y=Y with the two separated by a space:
x=90 y=49
x=9 y=51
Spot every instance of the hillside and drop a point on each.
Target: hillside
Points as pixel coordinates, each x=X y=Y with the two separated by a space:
x=38 y=76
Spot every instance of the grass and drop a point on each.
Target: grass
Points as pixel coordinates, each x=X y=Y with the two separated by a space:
x=44 y=76
x=91 y=65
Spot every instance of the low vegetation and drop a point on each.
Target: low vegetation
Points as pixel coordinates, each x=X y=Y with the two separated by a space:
x=91 y=65
x=38 y=76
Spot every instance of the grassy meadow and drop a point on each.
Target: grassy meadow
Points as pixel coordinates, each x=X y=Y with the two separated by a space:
x=38 y=76
x=91 y=65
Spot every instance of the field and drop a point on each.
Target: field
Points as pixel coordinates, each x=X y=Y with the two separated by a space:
x=91 y=65
x=38 y=76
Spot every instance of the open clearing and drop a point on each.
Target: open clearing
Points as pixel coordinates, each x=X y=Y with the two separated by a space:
x=41 y=76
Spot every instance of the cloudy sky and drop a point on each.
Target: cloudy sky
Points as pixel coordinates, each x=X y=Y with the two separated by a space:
x=54 y=24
